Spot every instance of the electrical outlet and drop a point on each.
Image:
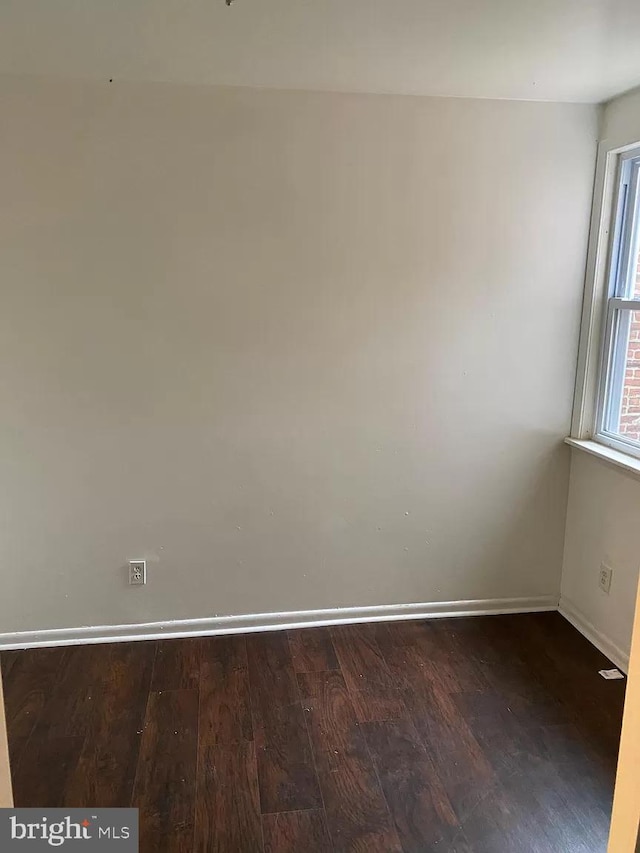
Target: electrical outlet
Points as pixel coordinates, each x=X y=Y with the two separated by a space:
x=137 y=572
x=604 y=580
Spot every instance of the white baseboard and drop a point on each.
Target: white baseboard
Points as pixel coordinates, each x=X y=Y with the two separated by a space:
x=272 y=621
x=577 y=618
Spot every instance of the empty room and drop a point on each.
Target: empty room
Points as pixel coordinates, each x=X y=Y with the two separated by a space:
x=320 y=430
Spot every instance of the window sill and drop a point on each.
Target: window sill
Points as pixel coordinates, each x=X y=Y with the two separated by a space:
x=608 y=454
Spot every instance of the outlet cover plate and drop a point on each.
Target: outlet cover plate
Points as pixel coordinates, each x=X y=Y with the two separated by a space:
x=137 y=572
x=604 y=579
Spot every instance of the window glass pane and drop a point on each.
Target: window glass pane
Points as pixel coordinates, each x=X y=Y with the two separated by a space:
x=629 y=237
x=636 y=272
x=630 y=410
x=624 y=389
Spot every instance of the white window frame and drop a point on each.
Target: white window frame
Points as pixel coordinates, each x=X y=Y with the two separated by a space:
x=611 y=249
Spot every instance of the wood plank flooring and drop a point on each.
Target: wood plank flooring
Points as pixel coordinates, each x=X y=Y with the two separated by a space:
x=486 y=734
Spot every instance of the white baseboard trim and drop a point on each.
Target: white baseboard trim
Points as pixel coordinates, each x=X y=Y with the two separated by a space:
x=272 y=621
x=577 y=618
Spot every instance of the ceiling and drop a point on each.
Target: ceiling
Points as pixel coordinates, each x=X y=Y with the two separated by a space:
x=565 y=50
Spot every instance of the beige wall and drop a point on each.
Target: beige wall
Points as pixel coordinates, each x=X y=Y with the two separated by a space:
x=297 y=350
x=604 y=501
x=621 y=119
x=602 y=523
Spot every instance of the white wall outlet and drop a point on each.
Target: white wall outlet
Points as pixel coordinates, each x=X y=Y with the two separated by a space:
x=604 y=579
x=137 y=572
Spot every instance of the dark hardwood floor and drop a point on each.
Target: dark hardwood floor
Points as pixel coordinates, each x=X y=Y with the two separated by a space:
x=485 y=734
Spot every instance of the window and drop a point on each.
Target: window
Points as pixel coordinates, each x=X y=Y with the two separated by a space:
x=608 y=388
x=618 y=410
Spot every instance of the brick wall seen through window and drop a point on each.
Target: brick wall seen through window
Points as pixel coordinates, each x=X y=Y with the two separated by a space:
x=630 y=409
